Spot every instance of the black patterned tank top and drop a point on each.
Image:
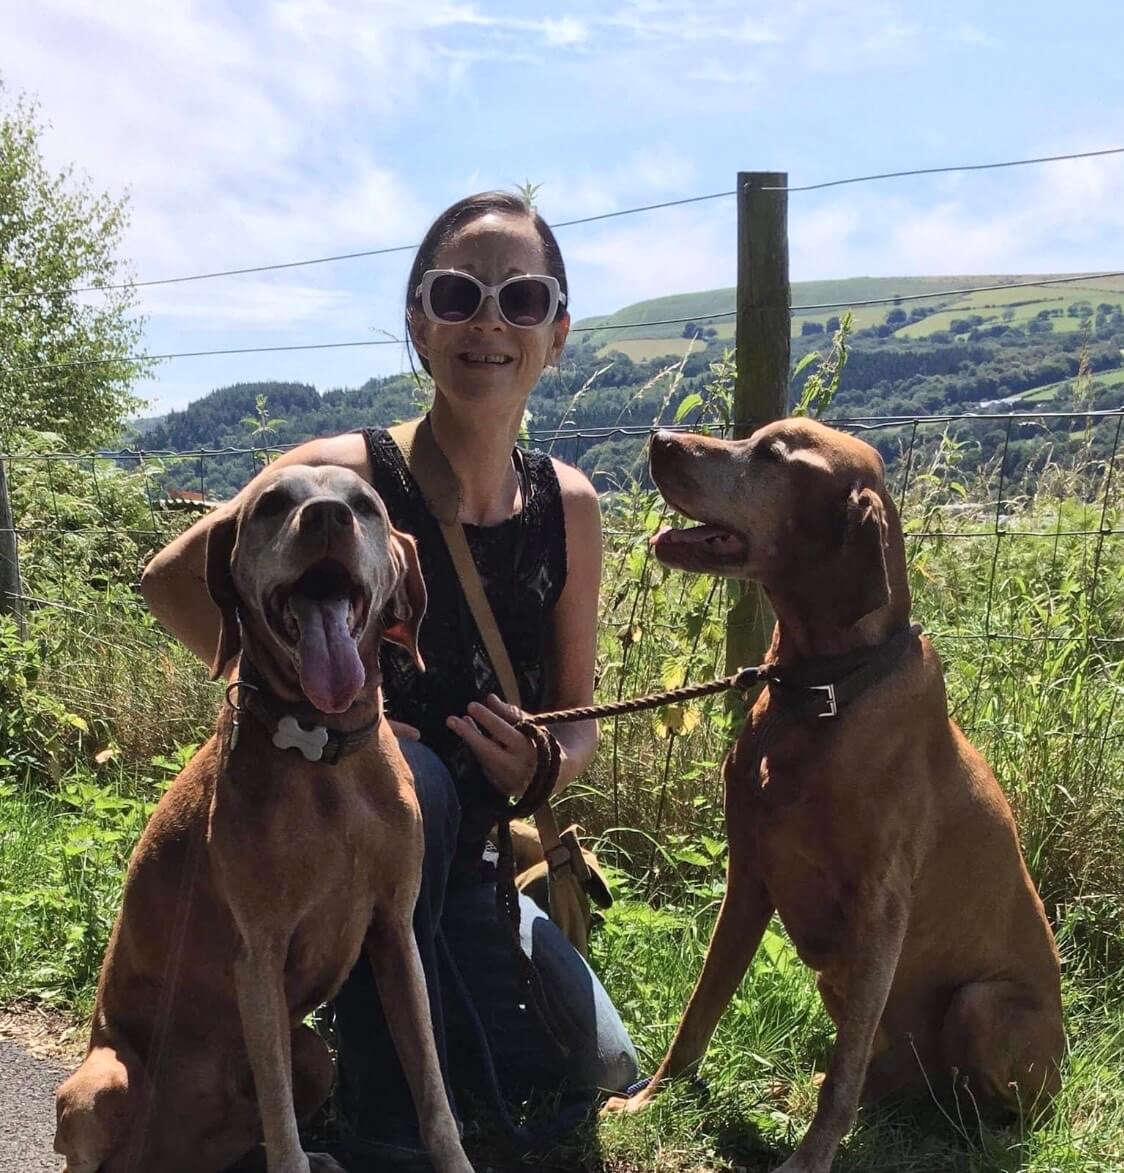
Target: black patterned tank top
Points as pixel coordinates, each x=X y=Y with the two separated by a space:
x=522 y=564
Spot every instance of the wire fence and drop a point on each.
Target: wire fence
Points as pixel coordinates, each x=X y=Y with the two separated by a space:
x=1035 y=494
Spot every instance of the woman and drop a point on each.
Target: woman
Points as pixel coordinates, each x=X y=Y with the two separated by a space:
x=486 y=312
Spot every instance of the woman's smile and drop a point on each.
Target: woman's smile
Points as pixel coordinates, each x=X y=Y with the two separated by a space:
x=486 y=358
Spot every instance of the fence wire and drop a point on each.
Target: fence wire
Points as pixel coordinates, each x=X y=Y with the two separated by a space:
x=1012 y=543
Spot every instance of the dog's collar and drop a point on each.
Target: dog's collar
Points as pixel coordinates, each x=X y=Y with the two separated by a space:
x=822 y=688
x=316 y=742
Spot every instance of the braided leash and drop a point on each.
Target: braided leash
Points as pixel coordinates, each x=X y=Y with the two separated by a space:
x=740 y=681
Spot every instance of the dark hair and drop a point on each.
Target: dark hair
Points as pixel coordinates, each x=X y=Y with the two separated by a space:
x=463 y=212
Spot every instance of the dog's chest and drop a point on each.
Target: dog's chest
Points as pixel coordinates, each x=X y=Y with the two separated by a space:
x=807 y=897
x=346 y=875
x=293 y=839
x=785 y=815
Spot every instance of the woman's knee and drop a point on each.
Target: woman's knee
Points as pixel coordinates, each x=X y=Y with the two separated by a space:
x=600 y=1052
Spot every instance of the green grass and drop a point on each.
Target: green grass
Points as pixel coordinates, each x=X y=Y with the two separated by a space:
x=775 y=1035
x=1100 y=379
x=62 y=857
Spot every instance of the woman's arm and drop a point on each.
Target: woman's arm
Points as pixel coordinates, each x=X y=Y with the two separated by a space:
x=508 y=758
x=573 y=655
x=174 y=583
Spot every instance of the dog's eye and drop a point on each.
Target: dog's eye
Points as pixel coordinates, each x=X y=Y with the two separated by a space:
x=362 y=505
x=274 y=503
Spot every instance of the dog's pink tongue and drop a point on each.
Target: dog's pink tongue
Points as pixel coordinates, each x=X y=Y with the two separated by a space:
x=330 y=669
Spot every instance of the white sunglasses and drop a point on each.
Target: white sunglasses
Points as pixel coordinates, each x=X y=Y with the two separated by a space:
x=451 y=298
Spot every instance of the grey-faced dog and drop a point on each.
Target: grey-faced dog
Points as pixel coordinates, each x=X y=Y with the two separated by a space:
x=291 y=841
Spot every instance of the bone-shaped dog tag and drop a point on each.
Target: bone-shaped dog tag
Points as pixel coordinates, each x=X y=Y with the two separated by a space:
x=292 y=735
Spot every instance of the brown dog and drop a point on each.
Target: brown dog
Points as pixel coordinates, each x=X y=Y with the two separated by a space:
x=860 y=813
x=265 y=869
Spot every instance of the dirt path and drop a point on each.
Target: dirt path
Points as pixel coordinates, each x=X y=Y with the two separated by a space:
x=27 y=1111
x=38 y=1049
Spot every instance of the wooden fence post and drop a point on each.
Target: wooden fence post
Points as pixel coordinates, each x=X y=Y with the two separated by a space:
x=11 y=592
x=763 y=362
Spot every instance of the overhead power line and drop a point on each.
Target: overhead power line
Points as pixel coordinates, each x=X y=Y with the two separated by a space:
x=378 y=252
x=371 y=252
x=946 y=170
x=714 y=195
x=93 y=362
x=700 y=318
x=850 y=305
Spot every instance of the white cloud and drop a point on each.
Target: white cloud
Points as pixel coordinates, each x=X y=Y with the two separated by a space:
x=716 y=73
x=265 y=304
x=565 y=31
x=241 y=140
x=660 y=171
x=1049 y=219
x=971 y=34
x=821 y=241
x=671 y=251
x=754 y=31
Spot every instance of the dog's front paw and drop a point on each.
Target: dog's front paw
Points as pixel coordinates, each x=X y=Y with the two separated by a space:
x=322 y=1163
x=627 y=1105
x=798 y=1164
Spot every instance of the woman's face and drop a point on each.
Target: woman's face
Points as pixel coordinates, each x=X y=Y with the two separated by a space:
x=485 y=356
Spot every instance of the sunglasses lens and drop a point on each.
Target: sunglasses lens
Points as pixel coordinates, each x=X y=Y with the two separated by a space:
x=454 y=298
x=525 y=302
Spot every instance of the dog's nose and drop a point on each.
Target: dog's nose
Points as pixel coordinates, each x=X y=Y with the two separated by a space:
x=324 y=517
x=661 y=445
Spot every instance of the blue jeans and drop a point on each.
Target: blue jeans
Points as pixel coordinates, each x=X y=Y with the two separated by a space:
x=599 y=1054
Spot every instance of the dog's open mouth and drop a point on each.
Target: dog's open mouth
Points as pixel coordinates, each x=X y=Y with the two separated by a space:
x=705 y=548
x=321 y=616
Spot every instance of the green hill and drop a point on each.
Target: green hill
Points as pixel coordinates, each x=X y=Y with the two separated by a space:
x=1016 y=307
x=981 y=353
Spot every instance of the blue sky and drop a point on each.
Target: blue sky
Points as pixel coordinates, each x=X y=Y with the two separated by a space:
x=253 y=133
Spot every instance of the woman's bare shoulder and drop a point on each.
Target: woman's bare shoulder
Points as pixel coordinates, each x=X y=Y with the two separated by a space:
x=581 y=510
x=575 y=485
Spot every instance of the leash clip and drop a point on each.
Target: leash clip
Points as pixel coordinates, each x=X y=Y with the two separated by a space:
x=832 y=703
x=746 y=678
x=236 y=725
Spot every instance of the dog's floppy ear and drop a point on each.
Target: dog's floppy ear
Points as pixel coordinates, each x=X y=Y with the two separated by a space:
x=404 y=611
x=220 y=586
x=863 y=583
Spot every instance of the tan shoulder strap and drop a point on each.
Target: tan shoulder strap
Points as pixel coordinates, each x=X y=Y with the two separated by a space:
x=438 y=483
x=434 y=475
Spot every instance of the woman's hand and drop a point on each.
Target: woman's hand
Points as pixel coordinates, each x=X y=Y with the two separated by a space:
x=506 y=756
